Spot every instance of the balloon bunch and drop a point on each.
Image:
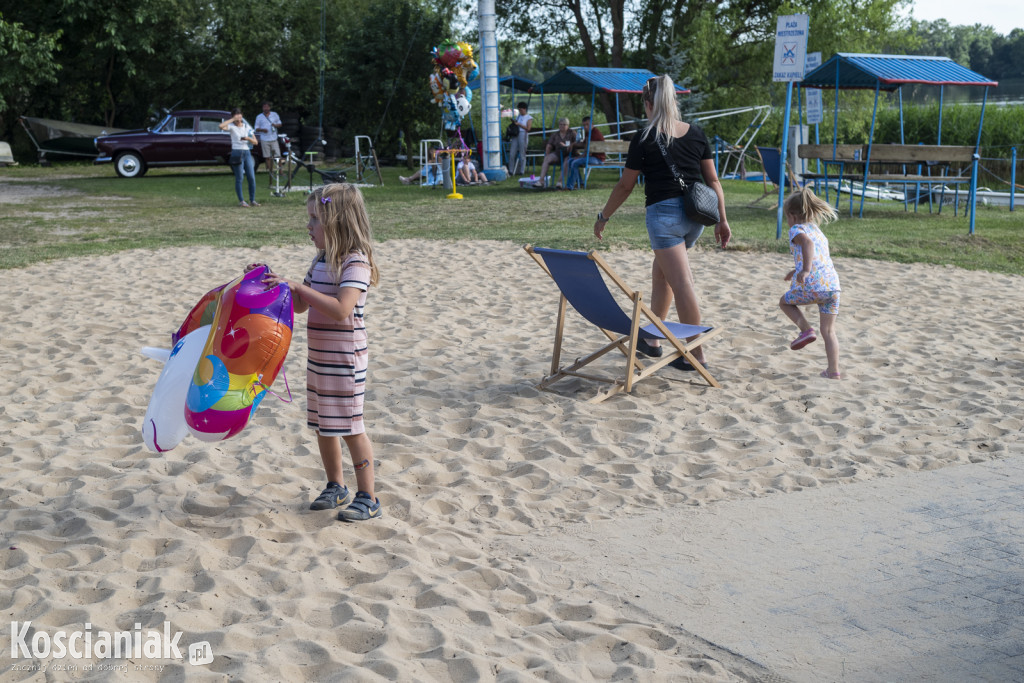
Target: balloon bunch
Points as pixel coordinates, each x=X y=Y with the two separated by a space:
x=453 y=69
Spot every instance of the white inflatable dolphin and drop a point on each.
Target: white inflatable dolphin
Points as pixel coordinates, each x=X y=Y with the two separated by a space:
x=164 y=426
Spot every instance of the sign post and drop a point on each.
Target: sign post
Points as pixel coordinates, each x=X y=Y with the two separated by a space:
x=790 y=53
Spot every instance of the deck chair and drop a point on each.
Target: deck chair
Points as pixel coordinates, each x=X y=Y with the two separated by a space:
x=578 y=276
x=770 y=161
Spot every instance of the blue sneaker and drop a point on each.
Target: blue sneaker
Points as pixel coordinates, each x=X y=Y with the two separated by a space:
x=334 y=496
x=362 y=508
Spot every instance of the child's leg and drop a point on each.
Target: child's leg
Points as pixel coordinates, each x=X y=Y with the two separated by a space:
x=330 y=453
x=794 y=313
x=361 y=449
x=828 y=333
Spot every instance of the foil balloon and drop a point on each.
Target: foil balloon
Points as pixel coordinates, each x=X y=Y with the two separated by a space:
x=244 y=351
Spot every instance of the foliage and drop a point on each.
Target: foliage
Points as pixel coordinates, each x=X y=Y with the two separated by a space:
x=122 y=62
x=28 y=62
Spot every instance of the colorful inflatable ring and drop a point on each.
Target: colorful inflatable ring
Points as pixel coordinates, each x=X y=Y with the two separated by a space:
x=226 y=354
x=245 y=349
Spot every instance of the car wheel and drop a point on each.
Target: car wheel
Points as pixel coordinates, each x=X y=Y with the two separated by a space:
x=129 y=165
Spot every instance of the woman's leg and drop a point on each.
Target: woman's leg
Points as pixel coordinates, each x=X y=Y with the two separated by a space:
x=237 y=169
x=674 y=265
x=250 y=176
x=361 y=449
x=827 y=330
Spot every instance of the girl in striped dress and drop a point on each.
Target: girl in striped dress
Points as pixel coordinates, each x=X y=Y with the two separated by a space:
x=334 y=293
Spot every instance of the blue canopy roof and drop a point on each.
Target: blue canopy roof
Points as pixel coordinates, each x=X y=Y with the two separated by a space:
x=889 y=72
x=515 y=82
x=584 y=79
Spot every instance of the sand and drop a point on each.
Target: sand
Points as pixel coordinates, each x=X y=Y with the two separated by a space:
x=475 y=466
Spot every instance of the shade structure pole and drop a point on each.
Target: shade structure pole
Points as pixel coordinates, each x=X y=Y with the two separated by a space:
x=974 y=162
x=782 y=159
x=941 y=93
x=867 y=161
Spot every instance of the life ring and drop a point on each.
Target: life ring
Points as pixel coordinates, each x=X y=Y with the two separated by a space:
x=245 y=349
x=226 y=354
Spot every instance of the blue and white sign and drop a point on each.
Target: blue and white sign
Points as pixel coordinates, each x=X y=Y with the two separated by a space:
x=814 y=111
x=790 y=47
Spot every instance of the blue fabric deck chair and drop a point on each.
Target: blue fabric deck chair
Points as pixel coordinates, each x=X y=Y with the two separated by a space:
x=578 y=276
x=770 y=160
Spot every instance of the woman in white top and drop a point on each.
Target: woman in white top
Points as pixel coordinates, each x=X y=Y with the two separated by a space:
x=517 y=148
x=241 y=161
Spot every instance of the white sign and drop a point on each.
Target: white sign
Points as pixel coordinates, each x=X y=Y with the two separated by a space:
x=790 y=47
x=814 y=111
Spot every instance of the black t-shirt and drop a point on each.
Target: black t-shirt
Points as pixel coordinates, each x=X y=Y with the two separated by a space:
x=687 y=153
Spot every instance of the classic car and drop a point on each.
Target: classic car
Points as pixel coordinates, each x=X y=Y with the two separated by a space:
x=188 y=137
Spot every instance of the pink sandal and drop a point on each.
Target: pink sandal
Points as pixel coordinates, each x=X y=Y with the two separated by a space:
x=805 y=338
x=831 y=375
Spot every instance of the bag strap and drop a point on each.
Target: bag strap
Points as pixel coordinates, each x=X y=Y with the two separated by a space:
x=671 y=164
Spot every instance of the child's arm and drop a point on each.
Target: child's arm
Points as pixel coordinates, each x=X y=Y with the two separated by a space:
x=807 y=250
x=303 y=296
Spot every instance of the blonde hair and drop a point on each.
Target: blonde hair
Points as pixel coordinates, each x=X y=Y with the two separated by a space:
x=808 y=207
x=341 y=211
x=664 y=108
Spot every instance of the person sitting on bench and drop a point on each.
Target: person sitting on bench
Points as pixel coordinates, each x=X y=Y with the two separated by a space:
x=558 y=148
x=571 y=172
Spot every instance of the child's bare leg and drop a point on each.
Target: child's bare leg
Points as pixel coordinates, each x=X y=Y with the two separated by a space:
x=361 y=449
x=330 y=453
x=795 y=314
x=828 y=333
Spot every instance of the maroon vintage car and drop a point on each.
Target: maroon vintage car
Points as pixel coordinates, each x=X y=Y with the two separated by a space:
x=188 y=137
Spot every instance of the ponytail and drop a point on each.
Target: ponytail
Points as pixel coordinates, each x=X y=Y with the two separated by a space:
x=664 y=108
x=808 y=207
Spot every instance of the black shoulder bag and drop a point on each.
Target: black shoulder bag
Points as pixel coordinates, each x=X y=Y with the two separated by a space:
x=700 y=202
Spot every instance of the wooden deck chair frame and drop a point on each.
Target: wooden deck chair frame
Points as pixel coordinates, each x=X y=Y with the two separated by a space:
x=635 y=369
x=765 y=179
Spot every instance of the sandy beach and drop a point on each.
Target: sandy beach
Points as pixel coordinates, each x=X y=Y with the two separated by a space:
x=477 y=470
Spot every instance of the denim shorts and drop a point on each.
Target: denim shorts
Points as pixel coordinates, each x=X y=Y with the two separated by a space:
x=667 y=225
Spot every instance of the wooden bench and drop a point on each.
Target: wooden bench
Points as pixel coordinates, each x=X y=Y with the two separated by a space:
x=896 y=164
x=609 y=148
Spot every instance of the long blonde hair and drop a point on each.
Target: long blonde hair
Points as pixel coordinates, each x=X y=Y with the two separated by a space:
x=808 y=207
x=664 y=107
x=342 y=213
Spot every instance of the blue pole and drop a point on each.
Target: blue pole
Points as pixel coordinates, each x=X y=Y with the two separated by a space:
x=1013 y=176
x=941 y=92
x=974 y=165
x=586 y=173
x=867 y=162
x=782 y=160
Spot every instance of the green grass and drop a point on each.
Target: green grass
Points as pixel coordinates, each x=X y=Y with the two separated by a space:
x=79 y=209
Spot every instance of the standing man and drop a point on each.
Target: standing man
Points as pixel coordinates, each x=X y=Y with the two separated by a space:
x=572 y=169
x=267 y=124
x=517 y=150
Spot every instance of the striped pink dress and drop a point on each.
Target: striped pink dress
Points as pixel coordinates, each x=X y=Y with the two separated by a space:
x=336 y=368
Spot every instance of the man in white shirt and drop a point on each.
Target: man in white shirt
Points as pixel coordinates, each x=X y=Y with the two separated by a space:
x=267 y=124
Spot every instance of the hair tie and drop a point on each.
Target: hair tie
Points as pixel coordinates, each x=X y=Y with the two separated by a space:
x=325 y=200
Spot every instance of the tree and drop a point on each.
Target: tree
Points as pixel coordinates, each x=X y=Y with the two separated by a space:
x=28 y=61
x=728 y=43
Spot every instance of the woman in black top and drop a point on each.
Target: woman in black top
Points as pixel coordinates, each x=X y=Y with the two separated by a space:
x=670 y=231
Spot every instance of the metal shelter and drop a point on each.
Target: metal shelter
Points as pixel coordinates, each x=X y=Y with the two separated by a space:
x=582 y=80
x=846 y=71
